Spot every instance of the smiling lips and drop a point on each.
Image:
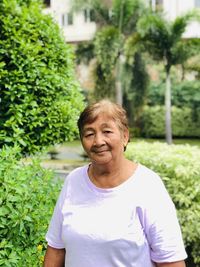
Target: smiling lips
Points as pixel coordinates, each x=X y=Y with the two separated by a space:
x=99 y=150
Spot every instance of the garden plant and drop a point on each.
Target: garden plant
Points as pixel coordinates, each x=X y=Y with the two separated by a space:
x=39 y=95
x=28 y=194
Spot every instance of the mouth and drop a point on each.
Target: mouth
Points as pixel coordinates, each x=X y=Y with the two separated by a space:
x=99 y=151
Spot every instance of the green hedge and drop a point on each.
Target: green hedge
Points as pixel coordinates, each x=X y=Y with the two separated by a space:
x=179 y=167
x=184 y=123
x=184 y=93
x=27 y=196
x=40 y=97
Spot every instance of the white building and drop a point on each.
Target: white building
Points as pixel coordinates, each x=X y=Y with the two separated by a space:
x=81 y=26
x=76 y=27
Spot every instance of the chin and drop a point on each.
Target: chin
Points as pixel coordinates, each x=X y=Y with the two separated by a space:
x=100 y=161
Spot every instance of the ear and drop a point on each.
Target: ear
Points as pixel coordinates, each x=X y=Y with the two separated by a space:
x=125 y=137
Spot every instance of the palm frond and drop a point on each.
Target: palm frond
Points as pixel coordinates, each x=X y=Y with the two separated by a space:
x=155 y=33
x=129 y=11
x=180 y=23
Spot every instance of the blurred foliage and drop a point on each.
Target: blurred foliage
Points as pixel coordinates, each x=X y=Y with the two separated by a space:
x=135 y=80
x=185 y=93
x=184 y=124
x=116 y=20
x=107 y=44
x=163 y=40
x=84 y=52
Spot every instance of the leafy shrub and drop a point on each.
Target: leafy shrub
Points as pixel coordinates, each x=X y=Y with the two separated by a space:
x=185 y=93
x=178 y=166
x=183 y=124
x=27 y=196
x=40 y=98
x=106 y=47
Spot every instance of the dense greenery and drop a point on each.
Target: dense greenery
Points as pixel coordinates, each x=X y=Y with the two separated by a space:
x=27 y=197
x=40 y=99
x=135 y=82
x=184 y=122
x=116 y=76
x=107 y=44
x=163 y=40
x=178 y=166
x=184 y=93
x=185 y=110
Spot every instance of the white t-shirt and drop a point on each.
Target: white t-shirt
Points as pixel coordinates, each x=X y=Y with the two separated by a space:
x=131 y=225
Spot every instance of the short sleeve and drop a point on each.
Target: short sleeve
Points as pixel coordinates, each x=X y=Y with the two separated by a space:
x=54 y=233
x=162 y=227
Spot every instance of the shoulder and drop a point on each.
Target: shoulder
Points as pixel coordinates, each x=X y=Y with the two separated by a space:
x=75 y=180
x=146 y=176
x=77 y=174
x=151 y=186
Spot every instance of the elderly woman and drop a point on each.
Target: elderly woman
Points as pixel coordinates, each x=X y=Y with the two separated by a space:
x=112 y=212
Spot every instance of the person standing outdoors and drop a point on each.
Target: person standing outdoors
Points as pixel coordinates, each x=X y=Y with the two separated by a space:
x=112 y=212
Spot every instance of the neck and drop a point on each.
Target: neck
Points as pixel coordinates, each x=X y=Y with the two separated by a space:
x=107 y=176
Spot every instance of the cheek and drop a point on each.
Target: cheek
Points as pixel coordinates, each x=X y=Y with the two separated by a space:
x=86 y=145
x=83 y=144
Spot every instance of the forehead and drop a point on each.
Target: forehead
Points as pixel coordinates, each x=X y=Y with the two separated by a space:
x=101 y=120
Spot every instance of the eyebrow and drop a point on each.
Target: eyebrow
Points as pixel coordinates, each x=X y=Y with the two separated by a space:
x=87 y=129
x=104 y=125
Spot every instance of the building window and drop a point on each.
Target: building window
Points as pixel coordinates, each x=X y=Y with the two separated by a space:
x=89 y=15
x=159 y=5
x=67 y=19
x=47 y=3
x=156 y=5
x=197 y=3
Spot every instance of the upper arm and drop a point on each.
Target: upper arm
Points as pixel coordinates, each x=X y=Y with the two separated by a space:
x=171 y=264
x=54 y=257
x=162 y=227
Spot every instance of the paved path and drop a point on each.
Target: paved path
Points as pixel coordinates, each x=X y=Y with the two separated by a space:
x=67 y=159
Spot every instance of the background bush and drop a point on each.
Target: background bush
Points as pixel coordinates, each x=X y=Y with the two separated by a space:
x=40 y=98
x=185 y=110
x=184 y=93
x=178 y=166
x=27 y=197
x=183 y=122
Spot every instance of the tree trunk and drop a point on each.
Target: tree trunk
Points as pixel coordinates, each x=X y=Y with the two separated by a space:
x=168 y=128
x=118 y=84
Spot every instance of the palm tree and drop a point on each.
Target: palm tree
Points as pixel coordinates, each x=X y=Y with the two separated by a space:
x=164 y=42
x=116 y=20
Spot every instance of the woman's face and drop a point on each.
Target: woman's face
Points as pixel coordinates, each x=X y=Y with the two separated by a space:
x=103 y=141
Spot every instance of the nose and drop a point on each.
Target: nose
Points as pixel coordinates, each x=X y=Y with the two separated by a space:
x=98 y=139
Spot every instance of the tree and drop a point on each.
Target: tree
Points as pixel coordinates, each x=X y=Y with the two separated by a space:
x=193 y=64
x=40 y=98
x=163 y=41
x=116 y=20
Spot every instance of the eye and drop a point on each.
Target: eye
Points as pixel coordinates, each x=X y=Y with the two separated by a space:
x=107 y=131
x=88 y=134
